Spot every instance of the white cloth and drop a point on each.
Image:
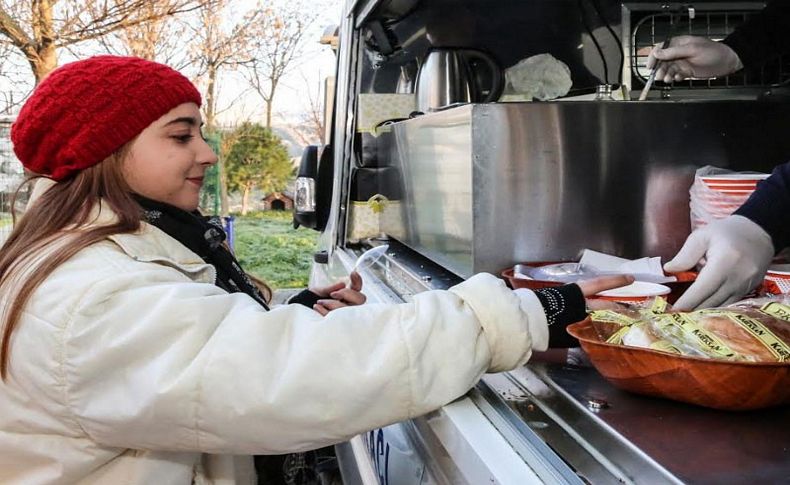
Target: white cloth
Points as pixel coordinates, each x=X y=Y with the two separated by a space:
x=130 y=366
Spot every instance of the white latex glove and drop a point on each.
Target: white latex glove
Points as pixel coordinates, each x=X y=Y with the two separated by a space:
x=737 y=253
x=691 y=56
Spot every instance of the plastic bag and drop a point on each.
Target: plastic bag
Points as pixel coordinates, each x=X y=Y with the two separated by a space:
x=541 y=77
x=756 y=330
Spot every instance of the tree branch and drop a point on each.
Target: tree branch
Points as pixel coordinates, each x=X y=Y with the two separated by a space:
x=11 y=29
x=121 y=18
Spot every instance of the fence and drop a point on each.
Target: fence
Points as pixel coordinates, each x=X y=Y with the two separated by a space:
x=11 y=175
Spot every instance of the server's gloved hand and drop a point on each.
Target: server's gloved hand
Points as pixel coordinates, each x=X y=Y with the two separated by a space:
x=737 y=253
x=692 y=56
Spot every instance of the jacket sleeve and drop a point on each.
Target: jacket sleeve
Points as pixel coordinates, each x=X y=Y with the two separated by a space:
x=769 y=206
x=764 y=36
x=152 y=361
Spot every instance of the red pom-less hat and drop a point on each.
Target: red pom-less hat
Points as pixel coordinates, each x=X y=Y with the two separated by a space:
x=86 y=110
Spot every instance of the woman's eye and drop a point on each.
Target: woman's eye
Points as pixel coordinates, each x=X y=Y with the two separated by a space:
x=182 y=138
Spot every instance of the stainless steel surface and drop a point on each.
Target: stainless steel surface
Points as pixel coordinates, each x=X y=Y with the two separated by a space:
x=546 y=463
x=406 y=273
x=349 y=467
x=588 y=445
x=407 y=78
x=446 y=77
x=443 y=79
x=692 y=444
x=490 y=185
x=342 y=130
x=555 y=435
x=363 y=9
x=543 y=410
x=437 y=457
x=434 y=154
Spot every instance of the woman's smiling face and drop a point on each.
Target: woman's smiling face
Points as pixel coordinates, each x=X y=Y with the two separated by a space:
x=167 y=161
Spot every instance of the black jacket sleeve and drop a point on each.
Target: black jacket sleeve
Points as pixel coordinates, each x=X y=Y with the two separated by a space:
x=305 y=297
x=769 y=206
x=764 y=36
x=563 y=305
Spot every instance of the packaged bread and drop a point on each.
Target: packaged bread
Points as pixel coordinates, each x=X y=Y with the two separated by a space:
x=752 y=331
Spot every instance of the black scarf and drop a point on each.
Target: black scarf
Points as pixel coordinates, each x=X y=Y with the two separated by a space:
x=203 y=236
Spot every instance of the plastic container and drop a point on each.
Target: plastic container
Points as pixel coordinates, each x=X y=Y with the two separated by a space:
x=684 y=280
x=530 y=284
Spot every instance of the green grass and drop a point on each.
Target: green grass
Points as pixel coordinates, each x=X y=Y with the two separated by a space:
x=267 y=246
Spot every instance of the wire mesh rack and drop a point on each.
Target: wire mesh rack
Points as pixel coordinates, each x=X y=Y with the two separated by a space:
x=651 y=28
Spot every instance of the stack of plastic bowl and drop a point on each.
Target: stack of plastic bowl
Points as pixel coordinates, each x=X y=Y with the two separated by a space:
x=718 y=196
x=777 y=279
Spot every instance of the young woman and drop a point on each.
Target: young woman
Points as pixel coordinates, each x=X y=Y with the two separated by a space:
x=134 y=348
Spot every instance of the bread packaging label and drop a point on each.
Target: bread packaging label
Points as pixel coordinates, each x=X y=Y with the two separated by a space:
x=751 y=331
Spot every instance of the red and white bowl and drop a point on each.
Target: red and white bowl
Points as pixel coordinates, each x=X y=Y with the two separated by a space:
x=718 y=196
x=777 y=279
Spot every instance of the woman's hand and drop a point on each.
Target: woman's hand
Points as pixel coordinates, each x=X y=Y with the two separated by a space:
x=338 y=295
x=603 y=283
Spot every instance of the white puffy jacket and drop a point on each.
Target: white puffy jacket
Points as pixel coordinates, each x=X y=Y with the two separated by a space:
x=130 y=366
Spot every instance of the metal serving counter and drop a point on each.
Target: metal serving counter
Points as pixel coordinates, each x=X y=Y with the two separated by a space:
x=569 y=425
x=647 y=439
x=489 y=185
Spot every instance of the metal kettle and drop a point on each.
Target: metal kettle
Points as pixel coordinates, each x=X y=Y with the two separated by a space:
x=449 y=76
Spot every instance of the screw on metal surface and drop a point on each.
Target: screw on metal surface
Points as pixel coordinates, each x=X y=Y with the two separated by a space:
x=537 y=424
x=426 y=277
x=597 y=404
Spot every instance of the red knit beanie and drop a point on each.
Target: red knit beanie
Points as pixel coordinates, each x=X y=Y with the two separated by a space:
x=86 y=110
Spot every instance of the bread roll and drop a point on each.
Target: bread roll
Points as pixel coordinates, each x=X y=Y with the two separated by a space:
x=753 y=330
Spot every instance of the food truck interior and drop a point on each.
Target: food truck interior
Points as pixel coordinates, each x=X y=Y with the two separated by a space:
x=435 y=152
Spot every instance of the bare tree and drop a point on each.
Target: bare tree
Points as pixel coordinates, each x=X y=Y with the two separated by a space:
x=163 y=39
x=37 y=28
x=276 y=46
x=10 y=93
x=217 y=47
x=311 y=129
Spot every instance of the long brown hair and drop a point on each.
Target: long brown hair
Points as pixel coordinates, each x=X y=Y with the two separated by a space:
x=63 y=210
